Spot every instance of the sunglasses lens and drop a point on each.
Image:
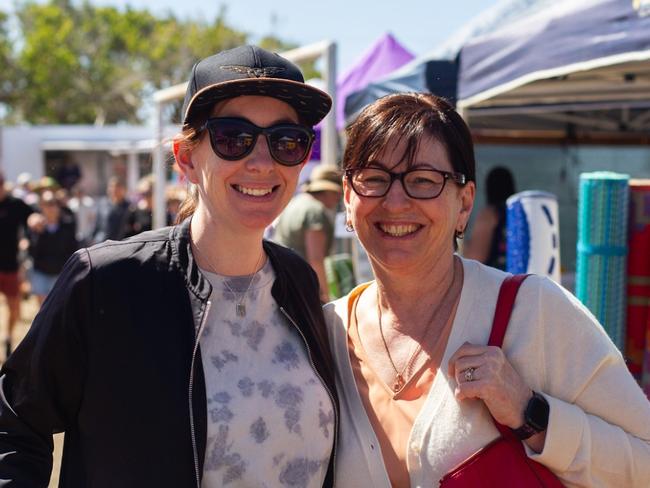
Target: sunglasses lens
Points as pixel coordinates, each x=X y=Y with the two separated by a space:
x=232 y=139
x=289 y=145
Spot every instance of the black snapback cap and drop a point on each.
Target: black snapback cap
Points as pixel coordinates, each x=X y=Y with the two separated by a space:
x=251 y=70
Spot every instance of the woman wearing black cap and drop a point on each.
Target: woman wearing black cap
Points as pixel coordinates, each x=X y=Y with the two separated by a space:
x=193 y=355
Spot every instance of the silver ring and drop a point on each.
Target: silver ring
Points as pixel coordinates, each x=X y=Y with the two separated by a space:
x=469 y=374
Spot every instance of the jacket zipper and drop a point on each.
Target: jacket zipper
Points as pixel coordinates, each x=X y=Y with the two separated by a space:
x=195 y=450
x=313 y=367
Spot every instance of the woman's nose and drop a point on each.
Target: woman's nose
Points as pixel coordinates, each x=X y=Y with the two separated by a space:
x=260 y=158
x=396 y=198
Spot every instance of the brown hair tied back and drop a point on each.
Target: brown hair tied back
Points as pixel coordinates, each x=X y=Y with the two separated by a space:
x=190 y=136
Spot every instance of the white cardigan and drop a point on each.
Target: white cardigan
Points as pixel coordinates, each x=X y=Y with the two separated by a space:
x=599 y=426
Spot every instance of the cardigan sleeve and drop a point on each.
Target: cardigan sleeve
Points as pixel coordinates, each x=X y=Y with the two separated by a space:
x=599 y=425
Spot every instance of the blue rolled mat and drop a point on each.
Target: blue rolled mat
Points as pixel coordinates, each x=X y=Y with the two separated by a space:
x=602 y=248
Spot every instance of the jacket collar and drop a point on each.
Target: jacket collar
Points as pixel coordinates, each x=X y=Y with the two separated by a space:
x=179 y=236
x=196 y=283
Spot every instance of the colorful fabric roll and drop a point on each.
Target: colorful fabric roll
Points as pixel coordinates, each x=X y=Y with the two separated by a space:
x=533 y=234
x=638 y=281
x=603 y=207
x=340 y=275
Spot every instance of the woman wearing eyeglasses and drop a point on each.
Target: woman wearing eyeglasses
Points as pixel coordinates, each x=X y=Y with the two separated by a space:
x=194 y=355
x=418 y=385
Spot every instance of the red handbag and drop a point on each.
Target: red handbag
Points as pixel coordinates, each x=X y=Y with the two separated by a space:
x=503 y=462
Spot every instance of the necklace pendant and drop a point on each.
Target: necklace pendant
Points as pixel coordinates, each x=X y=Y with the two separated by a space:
x=399 y=383
x=240 y=308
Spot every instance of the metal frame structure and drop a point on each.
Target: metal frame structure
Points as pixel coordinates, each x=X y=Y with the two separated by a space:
x=329 y=146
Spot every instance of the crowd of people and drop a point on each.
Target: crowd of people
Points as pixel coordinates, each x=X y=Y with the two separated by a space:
x=201 y=354
x=43 y=223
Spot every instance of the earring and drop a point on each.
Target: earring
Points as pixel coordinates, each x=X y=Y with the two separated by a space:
x=349 y=227
x=460 y=234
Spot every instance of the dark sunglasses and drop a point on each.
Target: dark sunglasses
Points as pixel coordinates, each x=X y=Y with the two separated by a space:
x=234 y=138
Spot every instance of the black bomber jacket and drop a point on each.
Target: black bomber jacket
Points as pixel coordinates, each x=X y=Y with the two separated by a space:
x=112 y=359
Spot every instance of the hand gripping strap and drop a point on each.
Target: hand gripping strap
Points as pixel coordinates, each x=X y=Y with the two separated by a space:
x=505 y=303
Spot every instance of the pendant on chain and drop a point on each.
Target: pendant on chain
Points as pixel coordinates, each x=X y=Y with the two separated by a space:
x=240 y=308
x=399 y=383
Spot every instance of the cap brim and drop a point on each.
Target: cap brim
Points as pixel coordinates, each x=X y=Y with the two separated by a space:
x=311 y=104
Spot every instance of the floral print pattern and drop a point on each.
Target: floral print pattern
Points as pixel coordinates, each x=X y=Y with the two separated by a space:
x=270 y=420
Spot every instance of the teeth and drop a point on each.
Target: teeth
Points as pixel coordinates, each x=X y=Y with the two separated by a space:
x=398 y=230
x=256 y=192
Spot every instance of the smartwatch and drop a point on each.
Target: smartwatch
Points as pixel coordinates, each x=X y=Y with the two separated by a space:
x=535 y=417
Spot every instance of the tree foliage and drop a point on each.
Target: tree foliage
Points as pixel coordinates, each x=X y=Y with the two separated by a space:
x=79 y=63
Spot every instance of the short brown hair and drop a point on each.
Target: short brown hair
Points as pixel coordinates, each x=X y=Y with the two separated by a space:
x=408 y=117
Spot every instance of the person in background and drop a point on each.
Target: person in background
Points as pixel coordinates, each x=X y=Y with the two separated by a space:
x=307 y=224
x=84 y=208
x=488 y=239
x=192 y=355
x=141 y=218
x=51 y=243
x=114 y=213
x=23 y=189
x=419 y=385
x=14 y=214
x=174 y=197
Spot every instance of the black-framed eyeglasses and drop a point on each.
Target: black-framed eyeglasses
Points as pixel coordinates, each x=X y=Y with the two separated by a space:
x=419 y=183
x=233 y=138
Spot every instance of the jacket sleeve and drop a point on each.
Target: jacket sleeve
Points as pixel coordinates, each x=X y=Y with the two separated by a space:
x=599 y=424
x=41 y=384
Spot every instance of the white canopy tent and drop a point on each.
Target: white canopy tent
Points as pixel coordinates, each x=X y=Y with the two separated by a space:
x=324 y=49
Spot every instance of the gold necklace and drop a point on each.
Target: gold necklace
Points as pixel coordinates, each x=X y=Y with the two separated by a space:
x=240 y=305
x=400 y=376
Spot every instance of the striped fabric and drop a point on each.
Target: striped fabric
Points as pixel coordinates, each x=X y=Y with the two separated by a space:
x=602 y=249
x=638 y=282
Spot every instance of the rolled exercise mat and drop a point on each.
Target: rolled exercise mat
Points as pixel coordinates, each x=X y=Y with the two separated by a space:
x=638 y=277
x=533 y=234
x=603 y=205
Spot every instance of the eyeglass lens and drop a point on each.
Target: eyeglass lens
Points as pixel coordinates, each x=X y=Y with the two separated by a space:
x=233 y=139
x=417 y=183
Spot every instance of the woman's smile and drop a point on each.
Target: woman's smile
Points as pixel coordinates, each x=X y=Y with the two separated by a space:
x=398 y=230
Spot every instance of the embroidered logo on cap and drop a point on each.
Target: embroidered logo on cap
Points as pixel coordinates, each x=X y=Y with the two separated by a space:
x=255 y=72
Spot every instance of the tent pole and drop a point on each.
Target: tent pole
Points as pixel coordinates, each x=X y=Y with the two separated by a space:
x=159 y=210
x=329 y=145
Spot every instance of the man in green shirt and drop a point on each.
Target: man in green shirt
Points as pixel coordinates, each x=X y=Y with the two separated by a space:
x=307 y=224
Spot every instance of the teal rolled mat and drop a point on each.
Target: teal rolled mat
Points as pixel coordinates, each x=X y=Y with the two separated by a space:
x=602 y=249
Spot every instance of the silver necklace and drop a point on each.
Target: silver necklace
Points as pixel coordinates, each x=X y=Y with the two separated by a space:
x=240 y=305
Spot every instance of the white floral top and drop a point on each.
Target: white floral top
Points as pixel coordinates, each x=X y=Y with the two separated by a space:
x=270 y=420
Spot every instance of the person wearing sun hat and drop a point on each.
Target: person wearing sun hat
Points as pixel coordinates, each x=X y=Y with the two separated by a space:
x=193 y=355
x=307 y=224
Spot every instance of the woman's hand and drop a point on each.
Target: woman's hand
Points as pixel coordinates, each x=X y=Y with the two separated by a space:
x=484 y=372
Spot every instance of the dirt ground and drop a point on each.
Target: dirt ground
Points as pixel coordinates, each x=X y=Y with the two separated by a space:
x=28 y=310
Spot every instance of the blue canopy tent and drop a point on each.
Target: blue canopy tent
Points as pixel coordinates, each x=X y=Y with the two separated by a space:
x=437 y=70
x=562 y=70
x=580 y=69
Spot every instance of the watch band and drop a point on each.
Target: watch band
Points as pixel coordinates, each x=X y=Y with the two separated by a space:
x=535 y=417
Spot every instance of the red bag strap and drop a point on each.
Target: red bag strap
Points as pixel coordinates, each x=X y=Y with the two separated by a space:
x=505 y=303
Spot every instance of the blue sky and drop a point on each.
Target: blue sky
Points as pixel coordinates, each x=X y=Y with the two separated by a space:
x=420 y=25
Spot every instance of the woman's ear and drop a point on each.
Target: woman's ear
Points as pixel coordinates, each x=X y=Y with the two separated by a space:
x=346 y=192
x=467 y=195
x=183 y=157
